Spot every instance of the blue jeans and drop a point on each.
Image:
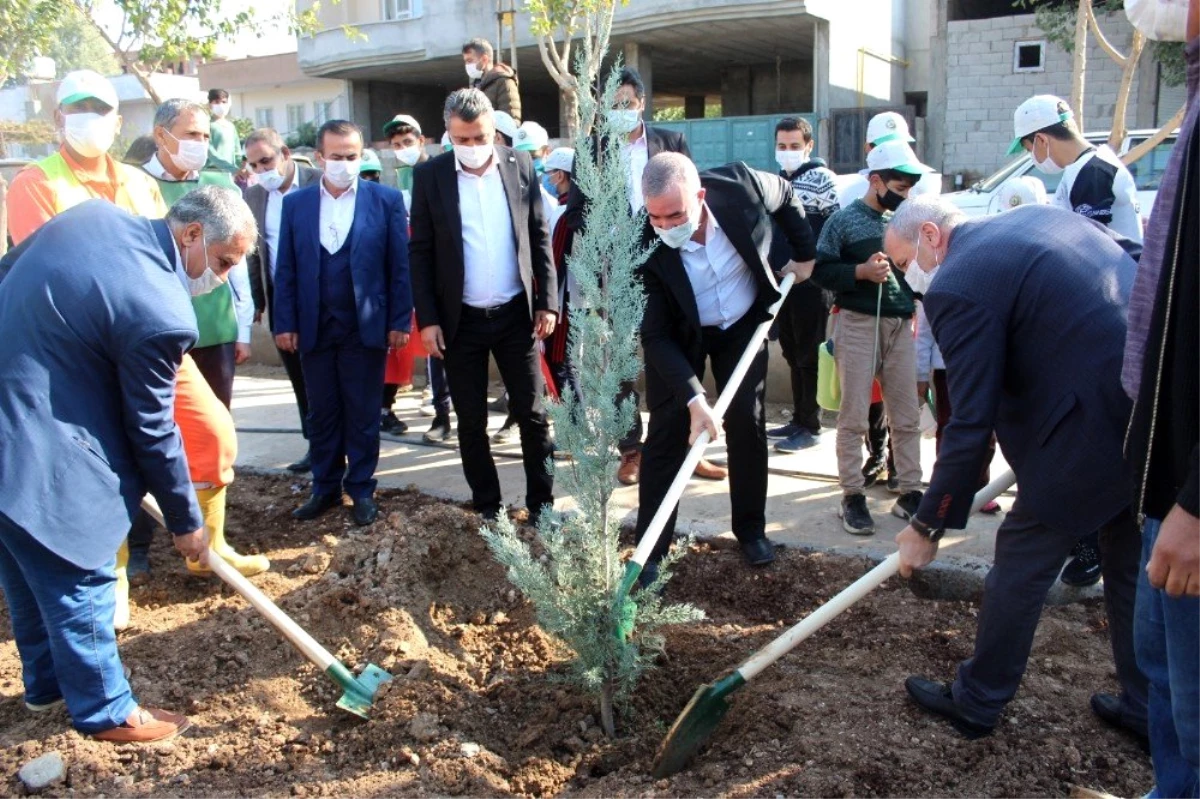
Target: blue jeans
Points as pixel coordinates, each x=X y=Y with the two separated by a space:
x=1165 y=636
x=62 y=619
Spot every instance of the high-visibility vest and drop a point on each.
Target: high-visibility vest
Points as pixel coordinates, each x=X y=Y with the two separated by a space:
x=134 y=190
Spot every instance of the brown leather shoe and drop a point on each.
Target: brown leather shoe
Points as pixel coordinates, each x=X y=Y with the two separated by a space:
x=631 y=468
x=146 y=724
x=706 y=470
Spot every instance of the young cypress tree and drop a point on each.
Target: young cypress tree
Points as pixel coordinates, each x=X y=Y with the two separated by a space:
x=572 y=584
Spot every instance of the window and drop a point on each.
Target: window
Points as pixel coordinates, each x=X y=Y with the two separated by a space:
x=322 y=111
x=295 y=114
x=398 y=9
x=264 y=117
x=1029 y=56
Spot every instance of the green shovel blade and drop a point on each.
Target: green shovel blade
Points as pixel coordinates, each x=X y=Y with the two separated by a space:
x=358 y=693
x=626 y=608
x=695 y=725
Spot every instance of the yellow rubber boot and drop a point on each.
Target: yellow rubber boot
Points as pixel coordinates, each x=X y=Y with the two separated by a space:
x=121 y=614
x=212 y=507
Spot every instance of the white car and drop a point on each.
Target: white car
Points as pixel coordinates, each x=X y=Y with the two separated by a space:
x=983 y=197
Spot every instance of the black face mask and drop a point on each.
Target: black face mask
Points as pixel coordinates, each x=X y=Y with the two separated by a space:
x=373 y=177
x=890 y=201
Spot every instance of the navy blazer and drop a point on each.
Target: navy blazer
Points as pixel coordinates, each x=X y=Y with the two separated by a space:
x=94 y=328
x=1029 y=310
x=378 y=264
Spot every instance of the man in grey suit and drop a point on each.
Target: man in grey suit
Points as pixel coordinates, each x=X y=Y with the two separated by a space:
x=1029 y=311
x=278 y=175
x=86 y=419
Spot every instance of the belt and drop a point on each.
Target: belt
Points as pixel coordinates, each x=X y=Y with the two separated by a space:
x=490 y=313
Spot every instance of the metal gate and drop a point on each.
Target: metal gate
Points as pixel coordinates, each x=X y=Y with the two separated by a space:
x=848 y=134
x=715 y=142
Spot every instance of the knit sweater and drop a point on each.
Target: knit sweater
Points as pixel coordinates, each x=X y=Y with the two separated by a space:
x=850 y=237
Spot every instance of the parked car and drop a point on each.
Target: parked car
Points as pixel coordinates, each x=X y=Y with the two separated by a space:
x=983 y=197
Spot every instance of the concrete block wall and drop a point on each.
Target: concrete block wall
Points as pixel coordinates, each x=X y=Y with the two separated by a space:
x=983 y=91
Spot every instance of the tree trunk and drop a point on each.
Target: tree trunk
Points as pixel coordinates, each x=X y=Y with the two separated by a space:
x=606 y=709
x=570 y=113
x=1079 y=63
x=126 y=60
x=1119 y=128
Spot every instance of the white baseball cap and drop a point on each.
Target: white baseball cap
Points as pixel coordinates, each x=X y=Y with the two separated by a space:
x=506 y=124
x=1022 y=190
x=1038 y=113
x=84 y=83
x=400 y=121
x=888 y=126
x=562 y=158
x=897 y=155
x=531 y=136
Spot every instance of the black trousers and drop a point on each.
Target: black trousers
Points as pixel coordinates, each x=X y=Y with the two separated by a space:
x=217 y=364
x=505 y=333
x=745 y=440
x=801 y=328
x=1029 y=556
x=295 y=373
x=632 y=440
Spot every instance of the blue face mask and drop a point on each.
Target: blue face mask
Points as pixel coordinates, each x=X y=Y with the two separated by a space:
x=548 y=184
x=539 y=166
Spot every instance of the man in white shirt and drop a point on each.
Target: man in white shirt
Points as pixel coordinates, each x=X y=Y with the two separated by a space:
x=278 y=176
x=484 y=285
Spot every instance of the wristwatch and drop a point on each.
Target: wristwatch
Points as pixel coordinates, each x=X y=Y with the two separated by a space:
x=925 y=530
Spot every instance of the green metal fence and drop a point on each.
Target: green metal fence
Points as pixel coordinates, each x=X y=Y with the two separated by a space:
x=719 y=141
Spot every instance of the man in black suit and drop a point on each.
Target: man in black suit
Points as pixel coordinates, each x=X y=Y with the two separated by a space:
x=484 y=284
x=1028 y=309
x=708 y=287
x=278 y=175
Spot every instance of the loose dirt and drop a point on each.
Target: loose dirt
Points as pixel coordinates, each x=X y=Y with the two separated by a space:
x=478 y=706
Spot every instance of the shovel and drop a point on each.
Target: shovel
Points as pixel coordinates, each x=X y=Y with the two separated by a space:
x=358 y=693
x=634 y=566
x=708 y=705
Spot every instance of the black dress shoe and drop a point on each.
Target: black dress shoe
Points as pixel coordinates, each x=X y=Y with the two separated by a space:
x=364 y=511
x=758 y=552
x=303 y=465
x=936 y=697
x=317 y=506
x=1084 y=567
x=1108 y=708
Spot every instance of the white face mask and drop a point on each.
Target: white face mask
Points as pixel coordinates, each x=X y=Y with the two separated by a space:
x=1162 y=20
x=474 y=71
x=270 y=180
x=679 y=235
x=208 y=281
x=192 y=155
x=89 y=134
x=342 y=173
x=916 y=277
x=1048 y=167
x=790 y=160
x=409 y=155
x=473 y=156
x=219 y=110
x=624 y=120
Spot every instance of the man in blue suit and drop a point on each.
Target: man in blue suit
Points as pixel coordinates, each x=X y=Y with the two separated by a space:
x=1029 y=311
x=342 y=297
x=86 y=420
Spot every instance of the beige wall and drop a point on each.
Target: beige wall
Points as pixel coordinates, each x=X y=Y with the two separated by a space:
x=274 y=82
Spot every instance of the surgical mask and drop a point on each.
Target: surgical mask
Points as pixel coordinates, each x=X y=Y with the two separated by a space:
x=917 y=278
x=679 y=235
x=89 y=134
x=890 y=200
x=548 y=185
x=473 y=156
x=271 y=180
x=409 y=156
x=624 y=120
x=192 y=155
x=1048 y=167
x=1161 y=20
x=474 y=72
x=539 y=166
x=790 y=160
x=208 y=281
x=342 y=173
x=219 y=110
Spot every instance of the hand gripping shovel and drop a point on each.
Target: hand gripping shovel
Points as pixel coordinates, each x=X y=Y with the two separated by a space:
x=708 y=705
x=635 y=564
x=358 y=693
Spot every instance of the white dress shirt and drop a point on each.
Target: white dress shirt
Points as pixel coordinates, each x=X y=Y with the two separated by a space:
x=723 y=284
x=337 y=215
x=491 y=274
x=638 y=155
x=273 y=217
x=157 y=170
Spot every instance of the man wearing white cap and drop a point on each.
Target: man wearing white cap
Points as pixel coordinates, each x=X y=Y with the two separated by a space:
x=1022 y=190
x=82 y=169
x=507 y=127
x=873 y=333
x=1094 y=181
x=883 y=128
x=560 y=165
x=403 y=132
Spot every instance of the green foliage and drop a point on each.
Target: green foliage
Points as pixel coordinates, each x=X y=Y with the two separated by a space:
x=675 y=113
x=27 y=27
x=1056 y=18
x=77 y=45
x=572 y=582
x=565 y=17
x=303 y=136
x=244 y=127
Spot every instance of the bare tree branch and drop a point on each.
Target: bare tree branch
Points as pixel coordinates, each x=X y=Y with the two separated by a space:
x=1158 y=138
x=1117 y=135
x=1105 y=45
